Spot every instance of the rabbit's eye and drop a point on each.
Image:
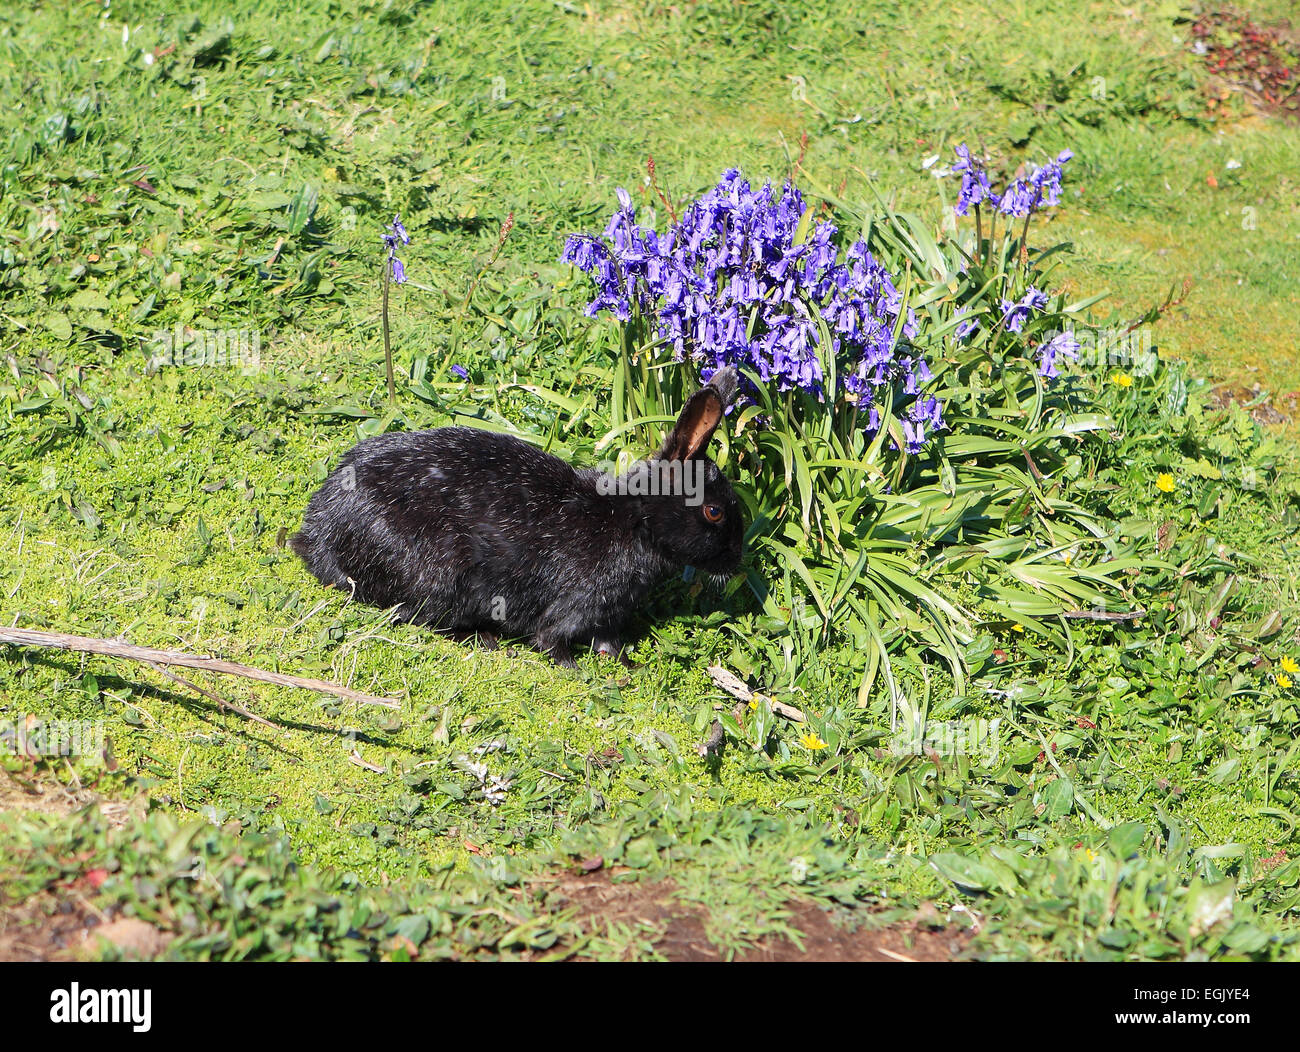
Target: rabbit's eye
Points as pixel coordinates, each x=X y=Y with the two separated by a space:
x=713 y=513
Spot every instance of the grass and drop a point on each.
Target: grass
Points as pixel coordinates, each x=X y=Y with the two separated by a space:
x=240 y=181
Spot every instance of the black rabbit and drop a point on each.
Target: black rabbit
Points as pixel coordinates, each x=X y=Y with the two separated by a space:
x=477 y=533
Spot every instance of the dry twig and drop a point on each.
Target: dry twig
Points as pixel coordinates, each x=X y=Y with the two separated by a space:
x=28 y=637
x=732 y=684
x=221 y=702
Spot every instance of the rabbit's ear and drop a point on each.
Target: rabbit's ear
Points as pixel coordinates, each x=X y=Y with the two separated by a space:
x=725 y=381
x=701 y=417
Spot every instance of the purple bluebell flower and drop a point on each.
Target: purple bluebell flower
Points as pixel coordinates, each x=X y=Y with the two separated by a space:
x=1014 y=315
x=1035 y=299
x=974 y=181
x=1040 y=189
x=729 y=285
x=460 y=371
x=967 y=326
x=1062 y=343
x=1047 y=180
x=1020 y=198
x=396 y=236
x=923 y=416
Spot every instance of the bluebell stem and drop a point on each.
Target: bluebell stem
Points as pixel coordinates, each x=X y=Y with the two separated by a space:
x=394 y=271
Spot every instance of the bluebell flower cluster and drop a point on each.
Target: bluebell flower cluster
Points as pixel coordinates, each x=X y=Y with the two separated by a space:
x=1021 y=198
x=746 y=278
x=968 y=326
x=1062 y=344
x=1015 y=314
x=975 y=187
x=395 y=237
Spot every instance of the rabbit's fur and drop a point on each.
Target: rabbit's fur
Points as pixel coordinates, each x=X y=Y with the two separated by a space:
x=474 y=532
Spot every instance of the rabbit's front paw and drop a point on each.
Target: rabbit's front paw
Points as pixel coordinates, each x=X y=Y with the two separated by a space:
x=473 y=636
x=612 y=648
x=557 y=650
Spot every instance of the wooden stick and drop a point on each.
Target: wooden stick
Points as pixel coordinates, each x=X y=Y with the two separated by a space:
x=28 y=637
x=222 y=703
x=355 y=757
x=732 y=684
x=895 y=956
x=714 y=741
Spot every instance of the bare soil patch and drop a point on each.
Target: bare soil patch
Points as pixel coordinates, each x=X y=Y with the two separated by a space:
x=41 y=794
x=677 y=929
x=1260 y=61
x=1264 y=407
x=45 y=928
x=58 y=924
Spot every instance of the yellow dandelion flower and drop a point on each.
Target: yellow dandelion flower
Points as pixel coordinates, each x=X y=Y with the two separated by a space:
x=753 y=704
x=1165 y=482
x=1018 y=628
x=1284 y=681
x=1122 y=380
x=1289 y=665
x=811 y=742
